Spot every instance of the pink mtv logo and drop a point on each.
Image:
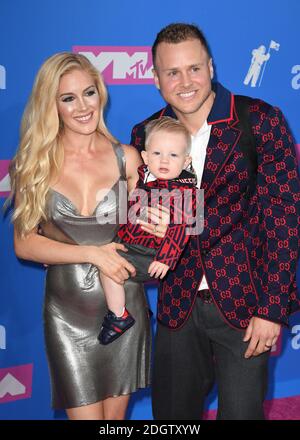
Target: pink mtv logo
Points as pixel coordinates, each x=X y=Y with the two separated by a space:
x=4 y=178
x=120 y=64
x=15 y=383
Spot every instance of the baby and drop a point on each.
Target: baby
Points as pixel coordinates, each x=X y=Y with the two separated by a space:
x=166 y=157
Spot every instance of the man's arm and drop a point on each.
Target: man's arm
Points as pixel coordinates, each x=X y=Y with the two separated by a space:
x=278 y=189
x=138 y=132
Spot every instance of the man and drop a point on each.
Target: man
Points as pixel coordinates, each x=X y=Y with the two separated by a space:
x=221 y=309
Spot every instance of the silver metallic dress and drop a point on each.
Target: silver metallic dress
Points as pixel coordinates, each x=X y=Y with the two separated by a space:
x=83 y=371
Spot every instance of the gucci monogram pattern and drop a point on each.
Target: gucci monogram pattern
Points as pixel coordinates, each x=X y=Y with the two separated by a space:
x=248 y=250
x=180 y=197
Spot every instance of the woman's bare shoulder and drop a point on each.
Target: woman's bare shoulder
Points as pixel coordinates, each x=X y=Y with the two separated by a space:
x=132 y=154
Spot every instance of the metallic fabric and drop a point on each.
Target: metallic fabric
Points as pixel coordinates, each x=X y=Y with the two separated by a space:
x=83 y=371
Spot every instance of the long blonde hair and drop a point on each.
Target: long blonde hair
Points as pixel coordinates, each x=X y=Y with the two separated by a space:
x=40 y=154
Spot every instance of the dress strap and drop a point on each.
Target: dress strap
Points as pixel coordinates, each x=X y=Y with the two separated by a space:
x=121 y=159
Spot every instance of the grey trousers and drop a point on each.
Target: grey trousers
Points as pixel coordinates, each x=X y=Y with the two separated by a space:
x=188 y=361
x=140 y=257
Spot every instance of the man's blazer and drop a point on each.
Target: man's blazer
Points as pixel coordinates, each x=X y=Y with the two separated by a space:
x=249 y=248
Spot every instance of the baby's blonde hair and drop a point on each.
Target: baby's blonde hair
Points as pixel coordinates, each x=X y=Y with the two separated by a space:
x=167 y=124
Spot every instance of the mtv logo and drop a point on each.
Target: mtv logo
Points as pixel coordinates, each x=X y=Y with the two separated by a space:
x=15 y=383
x=276 y=349
x=4 y=178
x=2 y=77
x=120 y=64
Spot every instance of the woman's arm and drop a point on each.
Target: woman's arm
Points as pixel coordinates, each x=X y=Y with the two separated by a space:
x=35 y=247
x=133 y=161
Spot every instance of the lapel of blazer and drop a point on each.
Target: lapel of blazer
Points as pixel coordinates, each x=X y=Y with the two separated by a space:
x=223 y=138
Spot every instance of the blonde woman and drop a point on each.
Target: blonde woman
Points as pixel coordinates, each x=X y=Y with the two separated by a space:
x=66 y=156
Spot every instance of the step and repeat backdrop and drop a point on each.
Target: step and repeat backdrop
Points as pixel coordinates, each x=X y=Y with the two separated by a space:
x=255 y=47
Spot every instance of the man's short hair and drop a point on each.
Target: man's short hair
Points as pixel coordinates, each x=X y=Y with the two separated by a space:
x=166 y=124
x=177 y=33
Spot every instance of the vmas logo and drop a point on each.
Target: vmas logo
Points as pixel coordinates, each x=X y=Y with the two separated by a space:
x=15 y=383
x=4 y=178
x=2 y=77
x=120 y=64
x=258 y=63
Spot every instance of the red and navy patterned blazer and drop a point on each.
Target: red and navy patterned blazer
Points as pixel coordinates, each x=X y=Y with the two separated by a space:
x=179 y=196
x=249 y=248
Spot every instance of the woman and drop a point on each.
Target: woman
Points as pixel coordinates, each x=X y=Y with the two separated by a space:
x=66 y=156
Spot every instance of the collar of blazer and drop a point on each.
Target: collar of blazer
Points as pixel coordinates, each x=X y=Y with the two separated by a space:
x=222 y=141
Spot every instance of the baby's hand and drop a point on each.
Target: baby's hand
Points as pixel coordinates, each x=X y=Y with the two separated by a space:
x=158 y=269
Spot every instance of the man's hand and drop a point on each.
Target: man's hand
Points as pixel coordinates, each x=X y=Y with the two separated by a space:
x=262 y=334
x=158 y=269
x=159 y=217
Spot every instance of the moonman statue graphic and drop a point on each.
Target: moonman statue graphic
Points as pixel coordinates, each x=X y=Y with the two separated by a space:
x=259 y=56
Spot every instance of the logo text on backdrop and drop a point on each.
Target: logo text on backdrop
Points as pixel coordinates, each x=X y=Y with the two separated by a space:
x=120 y=64
x=15 y=383
x=2 y=337
x=296 y=79
x=4 y=178
x=2 y=77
